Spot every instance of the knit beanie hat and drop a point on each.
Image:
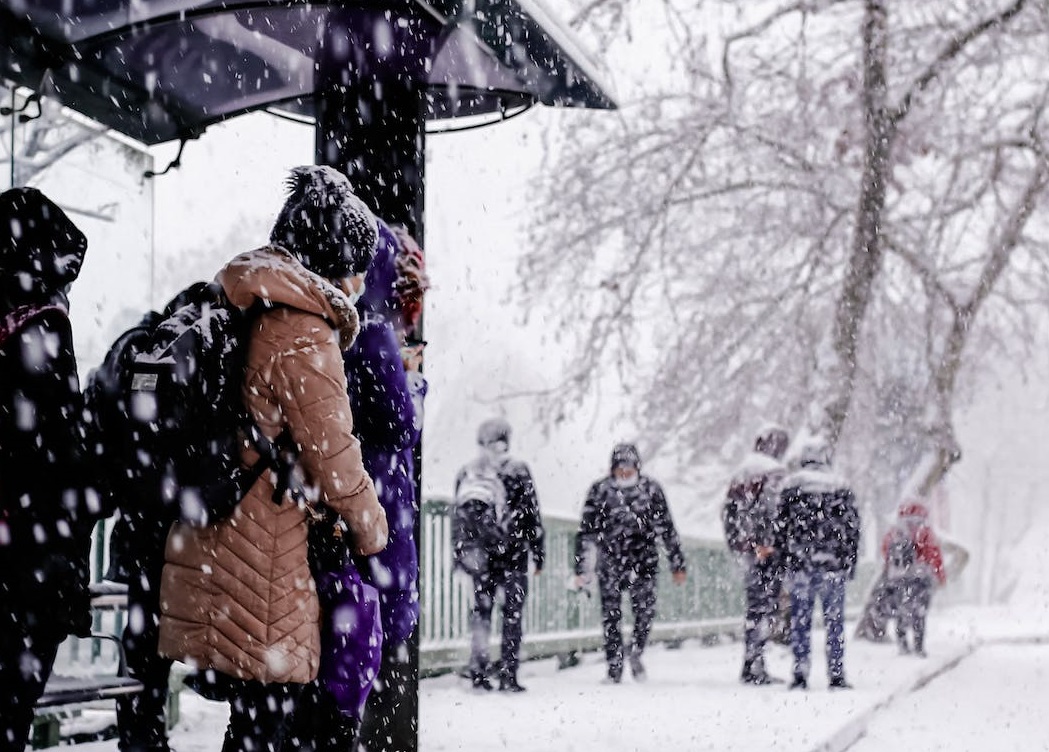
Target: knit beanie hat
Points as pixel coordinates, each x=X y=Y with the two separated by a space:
x=40 y=247
x=626 y=455
x=772 y=441
x=493 y=430
x=815 y=453
x=324 y=225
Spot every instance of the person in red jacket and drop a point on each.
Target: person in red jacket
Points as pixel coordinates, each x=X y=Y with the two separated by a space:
x=913 y=567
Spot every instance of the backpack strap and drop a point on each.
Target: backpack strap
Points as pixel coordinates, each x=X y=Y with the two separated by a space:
x=277 y=455
x=15 y=320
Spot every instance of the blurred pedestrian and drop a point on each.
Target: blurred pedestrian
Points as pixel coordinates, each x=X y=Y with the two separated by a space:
x=238 y=600
x=47 y=505
x=624 y=516
x=819 y=533
x=913 y=568
x=750 y=514
x=496 y=526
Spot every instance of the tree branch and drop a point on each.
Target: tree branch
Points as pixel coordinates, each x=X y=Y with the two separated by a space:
x=951 y=51
x=802 y=6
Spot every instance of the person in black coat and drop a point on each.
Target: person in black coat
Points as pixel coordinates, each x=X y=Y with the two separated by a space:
x=47 y=509
x=749 y=514
x=624 y=515
x=496 y=527
x=819 y=535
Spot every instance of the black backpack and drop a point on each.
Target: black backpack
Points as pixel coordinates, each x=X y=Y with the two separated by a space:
x=901 y=555
x=169 y=421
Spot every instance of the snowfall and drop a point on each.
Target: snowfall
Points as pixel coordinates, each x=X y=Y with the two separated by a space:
x=984 y=686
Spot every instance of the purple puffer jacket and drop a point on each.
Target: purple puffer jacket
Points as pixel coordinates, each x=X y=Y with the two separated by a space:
x=385 y=421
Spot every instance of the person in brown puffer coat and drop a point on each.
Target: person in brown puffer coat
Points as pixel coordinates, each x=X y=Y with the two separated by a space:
x=237 y=597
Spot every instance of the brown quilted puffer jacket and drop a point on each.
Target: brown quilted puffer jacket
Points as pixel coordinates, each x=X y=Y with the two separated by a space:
x=237 y=596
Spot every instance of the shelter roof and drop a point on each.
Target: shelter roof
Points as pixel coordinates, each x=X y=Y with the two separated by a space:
x=157 y=70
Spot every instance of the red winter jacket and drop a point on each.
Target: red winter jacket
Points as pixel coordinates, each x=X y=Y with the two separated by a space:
x=926 y=547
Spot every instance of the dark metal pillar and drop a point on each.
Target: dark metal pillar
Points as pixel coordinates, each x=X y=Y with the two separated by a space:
x=370 y=125
x=371 y=114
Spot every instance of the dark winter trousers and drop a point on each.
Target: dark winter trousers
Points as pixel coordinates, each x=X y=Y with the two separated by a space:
x=395 y=695
x=26 y=659
x=141 y=719
x=515 y=589
x=762 y=583
x=641 y=584
x=805 y=587
x=910 y=600
x=260 y=716
x=319 y=725
x=876 y=611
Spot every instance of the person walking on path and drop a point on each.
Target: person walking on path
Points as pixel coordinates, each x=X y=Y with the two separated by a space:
x=624 y=516
x=819 y=534
x=913 y=569
x=496 y=527
x=750 y=514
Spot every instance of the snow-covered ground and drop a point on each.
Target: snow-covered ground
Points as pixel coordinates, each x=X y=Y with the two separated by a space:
x=983 y=687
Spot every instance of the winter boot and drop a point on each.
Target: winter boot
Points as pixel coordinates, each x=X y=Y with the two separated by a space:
x=838 y=682
x=615 y=674
x=508 y=683
x=760 y=679
x=754 y=673
x=800 y=682
x=479 y=681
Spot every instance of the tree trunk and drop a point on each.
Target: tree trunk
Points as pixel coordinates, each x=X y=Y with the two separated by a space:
x=947 y=451
x=866 y=256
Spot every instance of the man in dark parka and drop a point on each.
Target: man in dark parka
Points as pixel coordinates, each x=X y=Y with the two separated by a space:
x=624 y=515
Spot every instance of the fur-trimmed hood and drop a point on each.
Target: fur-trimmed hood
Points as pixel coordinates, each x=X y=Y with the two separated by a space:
x=276 y=278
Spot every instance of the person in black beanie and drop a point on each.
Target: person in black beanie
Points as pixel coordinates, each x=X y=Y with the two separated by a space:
x=624 y=515
x=47 y=507
x=749 y=515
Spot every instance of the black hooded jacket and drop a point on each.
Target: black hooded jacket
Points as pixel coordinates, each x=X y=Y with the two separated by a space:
x=624 y=524
x=819 y=526
x=46 y=511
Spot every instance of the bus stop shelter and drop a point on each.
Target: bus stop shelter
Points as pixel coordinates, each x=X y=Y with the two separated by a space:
x=369 y=74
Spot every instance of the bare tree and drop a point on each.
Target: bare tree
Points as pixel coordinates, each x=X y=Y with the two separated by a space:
x=720 y=242
x=36 y=132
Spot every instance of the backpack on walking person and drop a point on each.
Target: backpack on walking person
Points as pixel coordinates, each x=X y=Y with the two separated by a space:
x=901 y=555
x=477 y=536
x=168 y=419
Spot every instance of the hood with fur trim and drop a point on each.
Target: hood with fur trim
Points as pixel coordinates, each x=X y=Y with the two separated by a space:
x=272 y=276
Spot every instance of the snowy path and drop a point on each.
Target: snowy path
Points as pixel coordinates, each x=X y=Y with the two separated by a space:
x=990 y=699
x=994 y=700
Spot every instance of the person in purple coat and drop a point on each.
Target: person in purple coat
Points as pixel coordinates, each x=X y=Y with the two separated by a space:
x=351 y=703
x=386 y=390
